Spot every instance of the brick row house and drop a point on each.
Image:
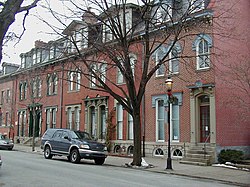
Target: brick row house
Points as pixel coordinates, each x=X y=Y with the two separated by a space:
x=207 y=115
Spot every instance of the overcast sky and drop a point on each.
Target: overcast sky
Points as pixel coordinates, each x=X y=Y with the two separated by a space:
x=35 y=30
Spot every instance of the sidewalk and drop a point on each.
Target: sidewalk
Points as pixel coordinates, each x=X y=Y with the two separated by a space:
x=226 y=175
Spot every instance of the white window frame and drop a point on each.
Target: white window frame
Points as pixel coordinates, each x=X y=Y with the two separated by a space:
x=197 y=5
x=48 y=119
x=173 y=60
x=84 y=43
x=77 y=118
x=162 y=120
x=130 y=127
x=102 y=71
x=174 y=121
x=53 y=113
x=163 y=13
x=119 y=109
x=204 y=57
x=107 y=34
x=161 y=70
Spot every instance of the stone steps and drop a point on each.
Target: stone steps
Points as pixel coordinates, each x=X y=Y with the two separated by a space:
x=199 y=155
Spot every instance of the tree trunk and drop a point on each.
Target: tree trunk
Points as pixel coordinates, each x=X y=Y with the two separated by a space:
x=137 y=138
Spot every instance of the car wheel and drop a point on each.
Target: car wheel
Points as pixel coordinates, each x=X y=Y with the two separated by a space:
x=47 y=153
x=99 y=161
x=74 y=156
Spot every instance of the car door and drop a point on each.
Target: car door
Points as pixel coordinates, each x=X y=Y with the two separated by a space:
x=65 y=142
x=55 y=140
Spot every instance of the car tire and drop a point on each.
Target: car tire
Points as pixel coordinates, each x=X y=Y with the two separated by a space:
x=74 y=156
x=99 y=161
x=47 y=153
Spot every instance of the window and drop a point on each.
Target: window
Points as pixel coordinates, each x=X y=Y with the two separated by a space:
x=74 y=80
x=77 y=118
x=8 y=96
x=119 y=121
x=78 y=39
x=163 y=12
x=36 y=85
x=34 y=56
x=78 y=80
x=107 y=34
x=23 y=90
x=202 y=45
x=92 y=75
x=174 y=61
x=52 y=52
x=130 y=127
x=158 y=57
x=48 y=122
x=6 y=118
x=69 y=116
x=103 y=67
x=84 y=37
x=38 y=56
x=1 y=117
x=132 y=64
x=54 y=117
x=197 y=5
x=160 y=130
x=175 y=122
x=120 y=78
x=52 y=81
x=2 y=97
x=203 y=55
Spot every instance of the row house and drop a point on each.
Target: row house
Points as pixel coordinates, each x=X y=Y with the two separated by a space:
x=55 y=85
x=7 y=98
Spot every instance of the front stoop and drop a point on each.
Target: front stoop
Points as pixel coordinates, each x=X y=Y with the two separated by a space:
x=200 y=154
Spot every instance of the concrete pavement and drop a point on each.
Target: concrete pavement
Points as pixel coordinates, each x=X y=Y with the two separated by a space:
x=235 y=177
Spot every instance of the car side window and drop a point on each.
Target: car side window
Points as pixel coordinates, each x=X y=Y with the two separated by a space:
x=65 y=134
x=57 y=134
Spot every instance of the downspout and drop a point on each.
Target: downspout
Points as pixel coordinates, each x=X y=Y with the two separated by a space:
x=61 y=98
x=143 y=112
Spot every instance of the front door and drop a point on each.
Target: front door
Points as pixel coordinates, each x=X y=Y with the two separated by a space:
x=204 y=123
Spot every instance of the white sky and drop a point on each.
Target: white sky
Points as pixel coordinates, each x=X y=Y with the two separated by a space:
x=35 y=30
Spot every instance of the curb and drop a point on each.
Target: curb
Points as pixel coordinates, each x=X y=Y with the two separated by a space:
x=151 y=169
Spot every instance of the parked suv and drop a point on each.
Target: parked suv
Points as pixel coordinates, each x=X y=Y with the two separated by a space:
x=73 y=144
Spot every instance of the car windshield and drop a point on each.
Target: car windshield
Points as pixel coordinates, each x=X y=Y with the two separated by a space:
x=81 y=135
x=2 y=137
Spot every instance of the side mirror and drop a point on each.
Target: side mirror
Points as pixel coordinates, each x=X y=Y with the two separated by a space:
x=67 y=138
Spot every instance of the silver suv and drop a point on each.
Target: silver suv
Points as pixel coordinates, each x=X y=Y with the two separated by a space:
x=73 y=144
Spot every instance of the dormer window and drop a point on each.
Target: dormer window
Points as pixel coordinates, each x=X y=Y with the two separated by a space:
x=52 y=52
x=107 y=34
x=197 y=5
x=163 y=12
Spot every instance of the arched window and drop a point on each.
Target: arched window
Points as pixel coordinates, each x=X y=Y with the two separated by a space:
x=202 y=45
x=157 y=57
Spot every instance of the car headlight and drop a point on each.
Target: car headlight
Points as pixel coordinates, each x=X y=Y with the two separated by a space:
x=84 y=146
x=105 y=148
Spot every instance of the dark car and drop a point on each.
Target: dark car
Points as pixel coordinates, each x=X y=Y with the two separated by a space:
x=6 y=143
x=73 y=144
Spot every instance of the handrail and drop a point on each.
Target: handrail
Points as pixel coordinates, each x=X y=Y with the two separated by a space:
x=205 y=143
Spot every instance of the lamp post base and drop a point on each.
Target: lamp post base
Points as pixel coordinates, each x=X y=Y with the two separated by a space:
x=169 y=163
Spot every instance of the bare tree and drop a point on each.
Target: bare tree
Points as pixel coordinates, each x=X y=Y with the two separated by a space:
x=154 y=26
x=8 y=10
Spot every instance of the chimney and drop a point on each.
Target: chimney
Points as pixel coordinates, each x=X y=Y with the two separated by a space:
x=40 y=44
x=89 y=17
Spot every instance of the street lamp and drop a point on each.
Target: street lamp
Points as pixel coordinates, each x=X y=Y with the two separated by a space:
x=169 y=84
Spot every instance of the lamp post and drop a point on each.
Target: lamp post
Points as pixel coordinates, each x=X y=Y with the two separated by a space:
x=169 y=84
